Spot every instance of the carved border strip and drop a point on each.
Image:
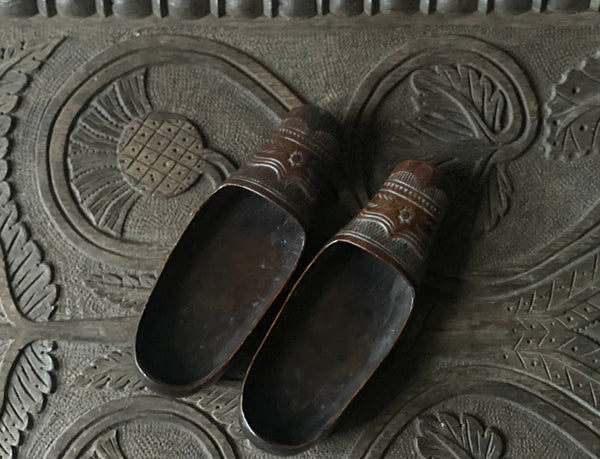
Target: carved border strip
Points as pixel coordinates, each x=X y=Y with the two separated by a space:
x=194 y=9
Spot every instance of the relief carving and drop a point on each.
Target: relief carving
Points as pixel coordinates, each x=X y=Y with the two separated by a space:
x=445 y=436
x=558 y=333
x=124 y=158
x=106 y=447
x=128 y=291
x=572 y=121
x=460 y=104
x=460 y=92
x=122 y=148
x=115 y=371
x=119 y=428
x=27 y=293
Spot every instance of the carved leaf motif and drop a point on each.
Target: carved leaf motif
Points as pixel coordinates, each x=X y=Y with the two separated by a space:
x=495 y=201
x=115 y=371
x=445 y=436
x=127 y=291
x=15 y=67
x=106 y=447
x=221 y=401
x=460 y=103
x=562 y=291
x=29 y=384
x=104 y=195
x=561 y=337
x=572 y=127
x=25 y=278
x=28 y=276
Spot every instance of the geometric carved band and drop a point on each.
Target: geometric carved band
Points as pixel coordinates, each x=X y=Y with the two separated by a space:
x=292 y=167
x=399 y=223
x=195 y=9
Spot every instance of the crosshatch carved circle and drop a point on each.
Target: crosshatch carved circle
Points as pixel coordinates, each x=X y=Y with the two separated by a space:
x=161 y=154
x=94 y=217
x=105 y=425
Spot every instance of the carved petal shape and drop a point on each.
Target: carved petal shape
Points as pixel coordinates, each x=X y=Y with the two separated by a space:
x=28 y=276
x=495 y=200
x=459 y=103
x=104 y=195
x=29 y=384
x=572 y=125
x=26 y=279
x=462 y=105
x=445 y=436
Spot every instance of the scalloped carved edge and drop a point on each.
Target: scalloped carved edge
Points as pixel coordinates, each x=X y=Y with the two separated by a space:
x=442 y=435
x=28 y=292
x=194 y=9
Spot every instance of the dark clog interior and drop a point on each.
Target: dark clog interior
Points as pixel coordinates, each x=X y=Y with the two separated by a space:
x=338 y=325
x=226 y=269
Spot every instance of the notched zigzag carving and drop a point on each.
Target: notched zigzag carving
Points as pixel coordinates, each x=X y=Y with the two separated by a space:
x=572 y=118
x=128 y=291
x=27 y=293
x=559 y=334
x=445 y=435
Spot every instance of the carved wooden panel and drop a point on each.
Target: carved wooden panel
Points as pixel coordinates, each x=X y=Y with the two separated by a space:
x=114 y=130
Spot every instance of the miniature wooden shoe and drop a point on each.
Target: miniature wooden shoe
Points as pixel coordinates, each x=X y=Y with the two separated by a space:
x=343 y=315
x=235 y=257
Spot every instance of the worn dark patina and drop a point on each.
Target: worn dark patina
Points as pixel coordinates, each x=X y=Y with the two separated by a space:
x=235 y=257
x=344 y=314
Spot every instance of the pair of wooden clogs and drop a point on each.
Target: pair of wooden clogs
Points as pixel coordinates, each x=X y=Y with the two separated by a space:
x=342 y=316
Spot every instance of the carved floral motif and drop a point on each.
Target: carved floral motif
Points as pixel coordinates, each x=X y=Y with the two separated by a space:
x=460 y=104
x=447 y=436
x=121 y=148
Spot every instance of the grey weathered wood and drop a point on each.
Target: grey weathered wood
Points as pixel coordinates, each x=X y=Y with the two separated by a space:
x=504 y=345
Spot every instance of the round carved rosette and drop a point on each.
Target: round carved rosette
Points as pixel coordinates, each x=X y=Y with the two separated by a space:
x=140 y=135
x=161 y=154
